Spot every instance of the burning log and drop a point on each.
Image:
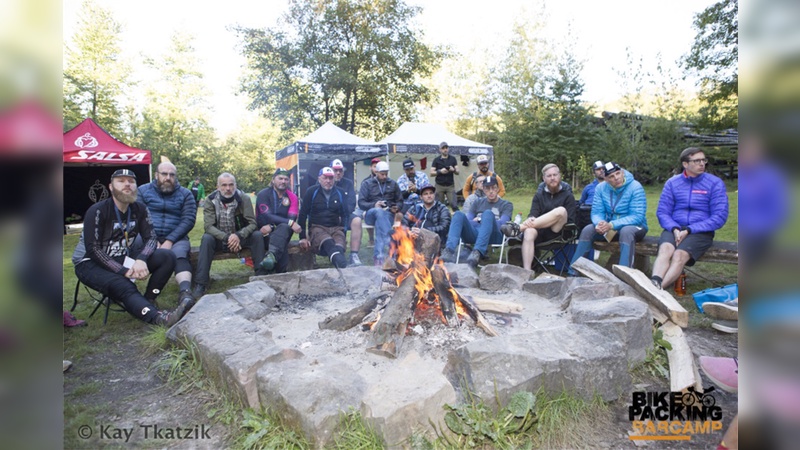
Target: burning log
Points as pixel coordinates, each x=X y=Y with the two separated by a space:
x=427 y=243
x=346 y=320
x=475 y=314
x=446 y=293
x=389 y=332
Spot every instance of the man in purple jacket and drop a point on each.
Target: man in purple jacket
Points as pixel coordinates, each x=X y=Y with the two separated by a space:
x=693 y=205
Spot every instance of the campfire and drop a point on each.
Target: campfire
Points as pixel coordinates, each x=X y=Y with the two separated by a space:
x=420 y=291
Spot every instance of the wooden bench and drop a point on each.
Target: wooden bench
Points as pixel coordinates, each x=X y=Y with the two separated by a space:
x=720 y=252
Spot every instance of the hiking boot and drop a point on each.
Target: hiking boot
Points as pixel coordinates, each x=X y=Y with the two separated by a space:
x=166 y=318
x=338 y=261
x=724 y=372
x=448 y=255
x=198 y=291
x=474 y=258
x=510 y=229
x=183 y=307
x=355 y=261
x=720 y=310
x=268 y=263
x=186 y=295
x=726 y=326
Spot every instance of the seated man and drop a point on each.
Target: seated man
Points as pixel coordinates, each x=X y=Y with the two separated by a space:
x=409 y=183
x=483 y=169
x=229 y=225
x=325 y=210
x=479 y=226
x=380 y=197
x=619 y=208
x=354 y=221
x=174 y=211
x=477 y=193
x=429 y=214
x=276 y=213
x=587 y=196
x=552 y=207
x=693 y=205
x=106 y=261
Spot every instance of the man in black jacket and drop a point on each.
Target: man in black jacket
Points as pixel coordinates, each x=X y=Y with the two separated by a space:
x=430 y=214
x=381 y=198
x=325 y=210
x=552 y=207
x=353 y=223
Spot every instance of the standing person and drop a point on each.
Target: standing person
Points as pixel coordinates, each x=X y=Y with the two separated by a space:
x=429 y=214
x=480 y=225
x=443 y=168
x=107 y=260
x=483 y=170
x=552 y=207
x=619 y=207
x=409 y=183
x=229 y=225
x=324 y=214
x=198 y=191
x=353 y=223
x=174 y=212
x=380 y=197
x=693 y=205
x=277 y=209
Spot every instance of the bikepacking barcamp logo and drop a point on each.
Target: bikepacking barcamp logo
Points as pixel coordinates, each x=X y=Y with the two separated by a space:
x=673 y=416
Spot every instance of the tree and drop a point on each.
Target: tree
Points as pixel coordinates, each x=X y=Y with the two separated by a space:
x=714 y=56
x=95 y=75
x=357 y=63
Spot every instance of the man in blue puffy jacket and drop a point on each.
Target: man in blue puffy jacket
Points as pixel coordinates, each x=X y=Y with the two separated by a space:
x=693 y=205
x=618 y=213
x=174 y=211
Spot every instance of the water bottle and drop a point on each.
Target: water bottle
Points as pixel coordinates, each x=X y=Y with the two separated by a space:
x=518 y=219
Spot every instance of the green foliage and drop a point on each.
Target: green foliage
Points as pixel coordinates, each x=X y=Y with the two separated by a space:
x=655 y=363
x=182 y=366
x=154 y=340
x=353 y=433
x=476 y=425
x=262 y=430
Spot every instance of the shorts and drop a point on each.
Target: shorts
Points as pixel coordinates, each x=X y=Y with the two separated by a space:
x=695 y=244
x=318 y=234
x=546 y=234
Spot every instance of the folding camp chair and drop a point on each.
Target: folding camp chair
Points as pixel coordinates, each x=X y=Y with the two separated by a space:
x=556 y=253
x=492 y=247
x=98 y=298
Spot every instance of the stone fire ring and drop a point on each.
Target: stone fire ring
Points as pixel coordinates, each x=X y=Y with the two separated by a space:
x=262 y=341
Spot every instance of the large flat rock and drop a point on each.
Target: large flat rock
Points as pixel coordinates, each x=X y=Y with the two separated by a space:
x=625 y=317
x=504 y=277
x=325 y=282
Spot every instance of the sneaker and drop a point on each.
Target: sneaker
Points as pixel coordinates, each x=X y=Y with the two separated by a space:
x=726 y=326
x=724 y=372
x=198 y=291
x=656 y=283
x=186 y=295
x=510 y=229
x=720 y=310
x=370 y=244
x=448 y=255
x=71 y=321
x=67 y=365
x=268 y=263
x=355 y=261
x=474 y=258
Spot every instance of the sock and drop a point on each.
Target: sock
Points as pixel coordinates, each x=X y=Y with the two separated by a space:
x=184 y=285
x=657 y=278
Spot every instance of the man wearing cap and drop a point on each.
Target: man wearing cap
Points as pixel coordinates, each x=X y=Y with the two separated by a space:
x=618 y=213
x=443 y=168
x=429 y=214
x=584 y=216
x=229 y=225
x=324 y=214
x=277 y=209
x=107 y=259
x=480 y=225
x=693 y=205
x=476 y=193
x=483 y=169
x=173 y=210
x=381 y=198
x=353 y=222
x=359 y=211
x=409 y=183
x=552 y=207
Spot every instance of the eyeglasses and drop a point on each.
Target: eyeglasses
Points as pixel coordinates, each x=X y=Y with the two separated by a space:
x=699 y=161
x=168 y=174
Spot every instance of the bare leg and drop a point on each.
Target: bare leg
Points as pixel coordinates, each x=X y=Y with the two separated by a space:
x=663 y=258
x=356 y=234
x=528 y=248
x=554 y=219
x=676 y=265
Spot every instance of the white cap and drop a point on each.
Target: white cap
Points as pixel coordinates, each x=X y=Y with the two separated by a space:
x=326 y=172
x=382 y=166
x=337 y=164
x=483 y=159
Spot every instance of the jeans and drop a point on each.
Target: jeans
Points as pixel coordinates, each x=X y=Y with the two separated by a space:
x=210 y=245
x=482 y=235
x=382 y=220
x=627 y=236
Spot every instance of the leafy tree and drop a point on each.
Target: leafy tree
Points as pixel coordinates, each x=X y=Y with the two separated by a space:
x=95 y=75
x=357 y=63
x=714 y=56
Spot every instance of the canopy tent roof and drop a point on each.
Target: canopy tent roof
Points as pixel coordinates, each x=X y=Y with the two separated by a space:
x=415 y=137
x=88 y=143
x=329 y=140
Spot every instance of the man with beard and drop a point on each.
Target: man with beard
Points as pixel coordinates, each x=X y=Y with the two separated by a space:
x=107 y=260
x=443 y=168
x=276 y=217
x=409 y=183
x=174 y=211
x=476 y=194
x=229 y=225
x=380 y=197
x=429 y=214
x=483 y=170
x=354 y=220
x=325 y=210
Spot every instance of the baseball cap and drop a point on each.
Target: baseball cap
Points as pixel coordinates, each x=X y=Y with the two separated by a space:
x=597 y=165
x=382 y=166
x=280 y=171
x=337 y=164
x=326 y=172
x=490 y=181
x=375 y=161
x=443 y=145
x=611 y=167
x=483 y=159
x=408 y=164
x=427 y=186
x=123 y=173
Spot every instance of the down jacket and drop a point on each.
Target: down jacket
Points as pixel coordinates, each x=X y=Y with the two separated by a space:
x=699 y=203
x=173 y=214
x=623 y=206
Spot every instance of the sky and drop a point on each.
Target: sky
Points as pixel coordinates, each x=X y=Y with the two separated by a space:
x=602 y=32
